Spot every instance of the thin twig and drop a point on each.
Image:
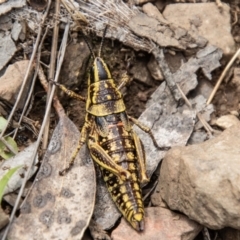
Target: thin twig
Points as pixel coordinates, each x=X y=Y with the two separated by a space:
x=41 y=130
x=222 y=77
x=206 y=234
x=52 y=68
x=159 y=56
x=33 y=83
x=8 y=146
x=26 y=75
x=199 y=115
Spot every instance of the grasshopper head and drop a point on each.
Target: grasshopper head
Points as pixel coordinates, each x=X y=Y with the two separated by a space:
x=99 y=71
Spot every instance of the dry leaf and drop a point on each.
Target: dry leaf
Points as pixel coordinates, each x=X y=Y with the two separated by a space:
x=59 y=207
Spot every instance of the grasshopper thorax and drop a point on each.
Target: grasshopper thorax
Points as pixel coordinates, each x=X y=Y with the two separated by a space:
x=99 y=71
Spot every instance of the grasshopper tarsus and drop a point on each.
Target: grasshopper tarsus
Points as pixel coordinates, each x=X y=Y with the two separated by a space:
x=65 y=170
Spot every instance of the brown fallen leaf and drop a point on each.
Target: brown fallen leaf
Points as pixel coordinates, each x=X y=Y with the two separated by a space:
x=59 y=207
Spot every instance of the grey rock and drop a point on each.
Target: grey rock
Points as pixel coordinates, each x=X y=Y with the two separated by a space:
x=206 y=20
x=141 y=73
x=10 y=4
x=8 y=49
x=154 y=69
x=71 y=73
x=16 y=30
x=202 y=181
x=11 y=81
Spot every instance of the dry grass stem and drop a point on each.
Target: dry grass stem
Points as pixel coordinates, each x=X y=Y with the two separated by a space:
x=222 y=76
x=40 y=134
x=201 y=119
x=52 y=69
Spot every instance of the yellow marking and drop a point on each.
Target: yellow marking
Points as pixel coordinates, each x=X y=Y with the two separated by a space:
x=127 y=143
x=130 y=155
x=138 y=216
x=138 y=195
x=123 y=189
x=131 y=166
x=136 y=186
x=128 y=204
x=134 y=177
x=125 y=198
x=106 y=178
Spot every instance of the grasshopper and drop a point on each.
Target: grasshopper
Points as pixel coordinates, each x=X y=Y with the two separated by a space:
x=111 y=141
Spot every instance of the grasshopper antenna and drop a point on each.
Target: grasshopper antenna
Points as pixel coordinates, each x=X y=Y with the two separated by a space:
x=89 y=47
x=103 y=37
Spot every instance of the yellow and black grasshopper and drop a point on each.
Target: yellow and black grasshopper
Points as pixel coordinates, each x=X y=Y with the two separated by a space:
x=112 y=143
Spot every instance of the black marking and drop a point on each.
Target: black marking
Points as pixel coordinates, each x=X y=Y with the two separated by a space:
x=102 y=73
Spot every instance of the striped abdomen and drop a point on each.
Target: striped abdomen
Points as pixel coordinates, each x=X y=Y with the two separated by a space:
x=119 y=145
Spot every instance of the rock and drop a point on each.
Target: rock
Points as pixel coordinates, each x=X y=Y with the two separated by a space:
x=236 y=77
x=199 y=105
x=10 y=4
x=8 y=49
x=203 y=182
x=160 y=223
x=141 y=73
x=227 y=121
x=140 y=2
x=197 y=137
x=152 y=11
x=11 y=81
x=206 y=20
x=6 y=23
x=16 y=30
x=4 y=219
x=204 y=88
x=161 y=4
x=72 y=73
x=154 y=69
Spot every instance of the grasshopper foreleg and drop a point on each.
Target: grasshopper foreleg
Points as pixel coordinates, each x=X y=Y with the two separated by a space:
x=69 y=92
x=105 y=161
x=148 y=130
x=125 y=79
